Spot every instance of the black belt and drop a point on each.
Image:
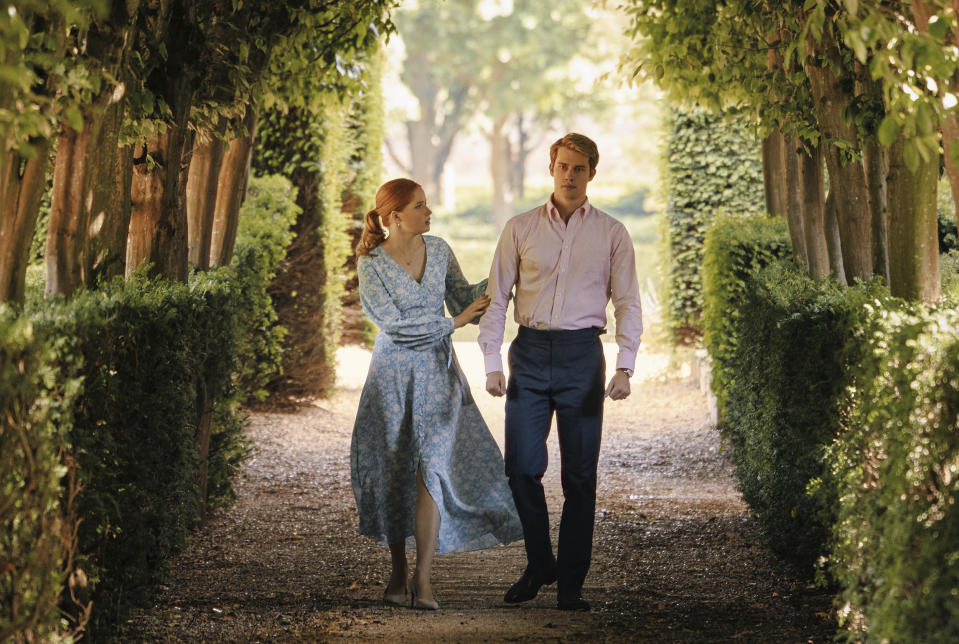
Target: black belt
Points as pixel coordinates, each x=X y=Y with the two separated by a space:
x=560 y=335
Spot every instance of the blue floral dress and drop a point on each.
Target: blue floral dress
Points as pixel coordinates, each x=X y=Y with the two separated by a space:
x=416 y=410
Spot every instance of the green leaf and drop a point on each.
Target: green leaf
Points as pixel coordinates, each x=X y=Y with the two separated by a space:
x=889 y=130
x=852 y=6
x=910 y=155
x=938 y=29
x=925 y=118
x=74 y=117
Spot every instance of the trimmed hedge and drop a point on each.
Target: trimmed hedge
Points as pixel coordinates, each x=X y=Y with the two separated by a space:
x=121 y=379
x=795 y=348
x=36 y=529
x=896 y=471
x=713 y=166
x=735 y=246
x=144 y=346
x=842 y=405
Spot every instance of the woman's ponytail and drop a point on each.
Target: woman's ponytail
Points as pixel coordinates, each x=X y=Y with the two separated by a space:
x=373 y=233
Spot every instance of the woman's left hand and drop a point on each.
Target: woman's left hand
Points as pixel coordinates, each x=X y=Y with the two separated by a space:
x=476 y=308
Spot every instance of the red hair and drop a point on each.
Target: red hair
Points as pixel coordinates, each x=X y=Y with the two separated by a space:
x=392 y=195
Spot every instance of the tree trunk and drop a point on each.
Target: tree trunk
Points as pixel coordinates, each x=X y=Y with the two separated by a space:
x=813 y=203
x=876 y=166
x=950 y=130
x=793 y=153
x=499 y=172
x=950 y=139
x=774 y=173
x=23 y=185
x=158 y=224
x=847 y=178
x=76 y=170
x=104 y=253
x=833 y=242
x=913 y=239
x=112 y=237
x=201 y=187
x=231 y=191
x=518 y=160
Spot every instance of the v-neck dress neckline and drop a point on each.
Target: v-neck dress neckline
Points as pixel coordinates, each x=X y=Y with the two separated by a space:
x=426 y=262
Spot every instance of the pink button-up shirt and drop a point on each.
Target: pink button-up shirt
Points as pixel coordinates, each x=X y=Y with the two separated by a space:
x=565 y=274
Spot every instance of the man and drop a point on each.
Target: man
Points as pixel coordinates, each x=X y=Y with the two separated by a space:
x=566 y=260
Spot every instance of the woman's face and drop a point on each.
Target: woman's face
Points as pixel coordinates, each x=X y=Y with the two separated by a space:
x=415 y=217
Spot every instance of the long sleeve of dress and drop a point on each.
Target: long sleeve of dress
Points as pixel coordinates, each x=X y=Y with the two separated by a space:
x=417 y=331
x=459 y=292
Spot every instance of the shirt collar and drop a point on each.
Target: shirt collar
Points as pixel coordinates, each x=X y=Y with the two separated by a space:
x=553 y=212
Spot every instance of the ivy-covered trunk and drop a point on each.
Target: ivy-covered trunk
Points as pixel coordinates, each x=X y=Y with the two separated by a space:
x=232 y=182
x=950 y=130
x=312 y=150
x=108 y=244
x=366 y=164
x=913 y=238
x=158 y=221
x=23 y=182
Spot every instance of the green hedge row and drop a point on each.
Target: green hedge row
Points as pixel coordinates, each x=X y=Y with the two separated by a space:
x=711 y=166
x=841 y=406
x=135 y=369
x=35 y=527
x=734 y=247
x=895 y=468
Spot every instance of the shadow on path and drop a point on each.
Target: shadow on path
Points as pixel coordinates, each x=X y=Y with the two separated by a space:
x=676 y=554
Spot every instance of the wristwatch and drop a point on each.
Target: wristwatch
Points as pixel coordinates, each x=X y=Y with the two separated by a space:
x=628 y=372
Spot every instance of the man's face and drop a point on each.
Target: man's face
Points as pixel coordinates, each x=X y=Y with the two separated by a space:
x=570 y=172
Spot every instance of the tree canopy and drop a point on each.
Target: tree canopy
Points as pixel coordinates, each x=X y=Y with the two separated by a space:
x=870 y=82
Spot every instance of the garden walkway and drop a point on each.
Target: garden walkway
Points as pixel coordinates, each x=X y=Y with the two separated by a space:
x=676 y=554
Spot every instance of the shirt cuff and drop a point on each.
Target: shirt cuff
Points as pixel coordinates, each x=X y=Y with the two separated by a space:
x=626 y=360
x=494 y=362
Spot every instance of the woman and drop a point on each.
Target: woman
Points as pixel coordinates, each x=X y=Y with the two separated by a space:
x=425 y=468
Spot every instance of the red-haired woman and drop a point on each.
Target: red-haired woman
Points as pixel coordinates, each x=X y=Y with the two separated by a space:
x=425 y=468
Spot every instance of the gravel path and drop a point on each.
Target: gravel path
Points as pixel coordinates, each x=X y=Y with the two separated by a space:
x=676 y=553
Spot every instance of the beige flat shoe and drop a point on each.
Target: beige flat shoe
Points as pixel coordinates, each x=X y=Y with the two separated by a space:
x=396 y=599
x=423 y=604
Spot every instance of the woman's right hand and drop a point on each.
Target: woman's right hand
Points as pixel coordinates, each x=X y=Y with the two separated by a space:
x=476 y=308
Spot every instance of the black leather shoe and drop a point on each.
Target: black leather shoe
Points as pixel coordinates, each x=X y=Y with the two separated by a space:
x=572 y=601
x=528 y=585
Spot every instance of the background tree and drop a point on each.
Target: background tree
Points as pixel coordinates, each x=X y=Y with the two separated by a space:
x=505 y=64
x=33 y=39
x=126 y=87
x=801 y=69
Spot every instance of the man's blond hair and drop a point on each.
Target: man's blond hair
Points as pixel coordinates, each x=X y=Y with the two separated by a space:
x=578 y=143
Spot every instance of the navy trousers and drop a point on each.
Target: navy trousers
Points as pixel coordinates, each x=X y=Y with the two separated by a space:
x=559 y=372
